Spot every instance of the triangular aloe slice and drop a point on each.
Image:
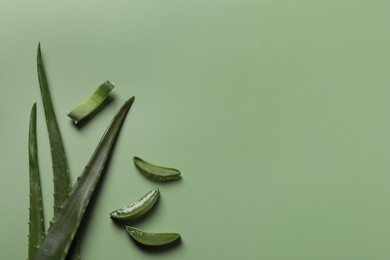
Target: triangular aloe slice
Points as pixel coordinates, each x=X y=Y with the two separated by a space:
x=36 y=222
x=62 y=231
x=152 y=239
x=156 y=172
x=138 y=208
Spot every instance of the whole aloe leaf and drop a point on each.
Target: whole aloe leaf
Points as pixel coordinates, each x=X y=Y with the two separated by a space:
x=61 y=176
x=62 y=231
x=36 y=222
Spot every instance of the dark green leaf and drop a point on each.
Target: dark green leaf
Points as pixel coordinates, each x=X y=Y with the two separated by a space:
x=61 y=176
x=36 y=222
x=62 y=231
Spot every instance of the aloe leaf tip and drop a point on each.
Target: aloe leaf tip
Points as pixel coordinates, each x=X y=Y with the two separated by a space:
x=36 y=217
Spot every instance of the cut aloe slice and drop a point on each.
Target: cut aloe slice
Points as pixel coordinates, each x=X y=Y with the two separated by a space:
x=91 y=104
x=156 y=172
x=152 y=239
x=138 y=207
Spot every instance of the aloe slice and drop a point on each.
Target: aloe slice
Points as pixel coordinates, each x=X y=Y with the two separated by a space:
x=61 y=176
x=137 y=208
x=152 y=239
x=89 y=105
x=156 y=172
x=36 y=223
x=62 y=231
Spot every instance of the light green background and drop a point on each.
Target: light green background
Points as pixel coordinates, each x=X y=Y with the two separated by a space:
x=276 y=112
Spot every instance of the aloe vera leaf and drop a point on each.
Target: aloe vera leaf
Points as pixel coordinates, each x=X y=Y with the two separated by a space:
x=90 y=104
x=62 y=231
x=36 y=222
x=61 y=176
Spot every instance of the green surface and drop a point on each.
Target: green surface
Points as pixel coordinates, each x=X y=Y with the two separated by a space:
x=277 y=113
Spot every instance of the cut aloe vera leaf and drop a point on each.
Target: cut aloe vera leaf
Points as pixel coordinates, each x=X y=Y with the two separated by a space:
x=36 y=221
x=152 y=239
x=61 y=176
x=137 y=208
x=62 y=231
x=91 y=104
x=156 y=172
